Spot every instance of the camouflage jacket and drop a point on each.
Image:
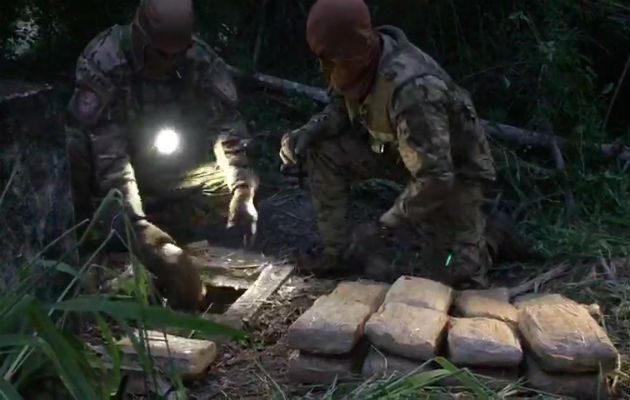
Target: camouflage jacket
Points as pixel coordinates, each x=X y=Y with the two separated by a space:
x=415 y=106
x=121 y=112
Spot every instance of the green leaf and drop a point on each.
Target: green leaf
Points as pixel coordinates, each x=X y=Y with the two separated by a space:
x=57 y=265
x=114 y=379
x=608 y=88
x=8 y=392
x=65 y=358
x=466 y=378
x=17 y=340
x=152 y=316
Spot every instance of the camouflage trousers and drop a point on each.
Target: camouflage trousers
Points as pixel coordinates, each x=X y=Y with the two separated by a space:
x=189 y=207
x=453 y=234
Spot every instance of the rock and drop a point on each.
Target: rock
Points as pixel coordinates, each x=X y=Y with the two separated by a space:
x=189 y=357
x=334 y=323
x=367 y=292
x=493 y=303
x=582 y=386
x=384 y=364
x=563 y=337
x=309 y=368
x=483 y=342
x=407 y=331
x=420 y=292
x=37 y=210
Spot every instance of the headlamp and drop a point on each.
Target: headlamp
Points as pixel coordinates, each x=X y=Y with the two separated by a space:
x=167 y=141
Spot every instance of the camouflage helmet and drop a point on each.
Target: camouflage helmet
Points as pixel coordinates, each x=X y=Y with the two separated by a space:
x=166 y=25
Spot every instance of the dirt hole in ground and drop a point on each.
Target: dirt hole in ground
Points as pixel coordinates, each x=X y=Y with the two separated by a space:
x=220 y=298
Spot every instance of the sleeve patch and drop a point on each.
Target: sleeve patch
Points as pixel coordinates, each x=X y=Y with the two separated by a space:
x=86 y=105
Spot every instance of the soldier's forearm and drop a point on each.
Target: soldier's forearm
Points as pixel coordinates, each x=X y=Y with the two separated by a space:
x=424 y=195
x=234 y=163
x=120 y=176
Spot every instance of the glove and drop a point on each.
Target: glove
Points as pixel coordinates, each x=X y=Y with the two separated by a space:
x=176 y=275
x=243 y=217
x=294 y=145
x=149 y=236
x=392 y=218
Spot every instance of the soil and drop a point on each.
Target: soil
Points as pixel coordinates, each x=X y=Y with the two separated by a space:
x=286 y=226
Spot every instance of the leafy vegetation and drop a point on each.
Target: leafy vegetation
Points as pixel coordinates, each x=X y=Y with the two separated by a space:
x=42 y=356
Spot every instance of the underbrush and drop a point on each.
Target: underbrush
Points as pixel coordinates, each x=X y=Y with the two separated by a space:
x=42 y=354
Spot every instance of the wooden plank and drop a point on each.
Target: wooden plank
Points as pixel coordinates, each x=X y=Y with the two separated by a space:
x=225 y=267
x=248 y=304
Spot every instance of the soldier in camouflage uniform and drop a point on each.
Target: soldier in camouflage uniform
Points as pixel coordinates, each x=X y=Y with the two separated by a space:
x=154 y=77
x=392 y=108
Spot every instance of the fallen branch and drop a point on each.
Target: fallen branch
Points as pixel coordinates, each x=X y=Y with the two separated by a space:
x=282 y=85
x=535 y=283
x=519 y=136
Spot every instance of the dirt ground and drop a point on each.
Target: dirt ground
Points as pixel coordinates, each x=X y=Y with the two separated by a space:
x=258 y=370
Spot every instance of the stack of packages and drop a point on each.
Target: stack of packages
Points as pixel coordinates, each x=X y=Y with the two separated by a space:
x=326 y=338
x=568 y=351
x=483 y=335
x=409 y=327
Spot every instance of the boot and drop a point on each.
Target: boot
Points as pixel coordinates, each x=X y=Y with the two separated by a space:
x=366 y=250
x=505 y=243
x=324 y=264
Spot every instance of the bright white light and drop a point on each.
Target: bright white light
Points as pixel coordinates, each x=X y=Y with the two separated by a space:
x=167 y=141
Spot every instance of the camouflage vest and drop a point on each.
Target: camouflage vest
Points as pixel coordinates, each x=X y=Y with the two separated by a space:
x=152 y=105
x=400 y=62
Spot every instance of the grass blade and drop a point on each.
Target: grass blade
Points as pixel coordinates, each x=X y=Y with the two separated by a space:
x=466 y=378
x=67 y=359
x=152 y=316
x=17 y=340
x=8 y=392
x=113 y=380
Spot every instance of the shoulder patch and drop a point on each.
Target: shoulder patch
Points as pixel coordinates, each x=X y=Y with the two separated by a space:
x=86 y=106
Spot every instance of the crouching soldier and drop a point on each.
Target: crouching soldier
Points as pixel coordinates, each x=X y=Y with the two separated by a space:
x=154 y=116
x=415 y=118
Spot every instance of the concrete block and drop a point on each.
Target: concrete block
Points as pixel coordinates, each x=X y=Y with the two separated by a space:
x=189 y=357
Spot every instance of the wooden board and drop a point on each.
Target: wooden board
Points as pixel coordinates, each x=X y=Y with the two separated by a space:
x=226 y=267
x=239 y=269
x=248 y=304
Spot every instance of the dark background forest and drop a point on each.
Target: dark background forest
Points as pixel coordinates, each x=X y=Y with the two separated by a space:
x=557 y=67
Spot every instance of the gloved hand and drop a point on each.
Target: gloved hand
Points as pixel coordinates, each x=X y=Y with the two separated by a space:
x=294 y=144
x=149 y=236
x=176 y=275
x=392 y=218
x=243 y=216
